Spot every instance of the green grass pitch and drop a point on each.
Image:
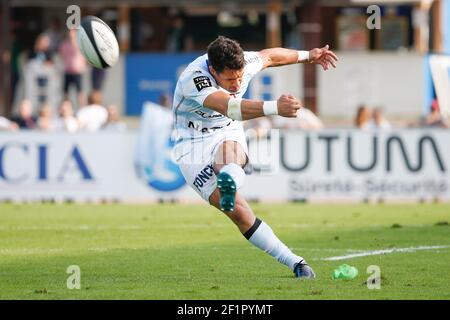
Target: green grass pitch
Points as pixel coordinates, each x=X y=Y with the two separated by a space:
x=168 y=251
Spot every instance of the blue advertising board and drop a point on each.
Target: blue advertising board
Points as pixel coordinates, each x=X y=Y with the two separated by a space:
x=149 y=76
x=446 y=26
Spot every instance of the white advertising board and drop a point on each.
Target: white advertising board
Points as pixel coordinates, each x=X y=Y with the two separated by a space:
x=79 y=167
x=354 y=165
x=321 y=166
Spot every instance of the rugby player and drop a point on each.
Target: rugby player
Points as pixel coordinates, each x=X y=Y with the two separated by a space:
x=211 y=148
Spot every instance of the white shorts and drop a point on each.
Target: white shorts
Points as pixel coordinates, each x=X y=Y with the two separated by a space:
x=195 y=157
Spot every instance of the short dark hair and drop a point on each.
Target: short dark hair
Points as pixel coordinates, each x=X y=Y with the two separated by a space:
x=225 y=53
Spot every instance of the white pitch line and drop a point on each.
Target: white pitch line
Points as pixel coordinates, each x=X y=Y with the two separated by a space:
x=377 y=252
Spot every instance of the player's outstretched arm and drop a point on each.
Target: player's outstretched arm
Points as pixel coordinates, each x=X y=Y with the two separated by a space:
x=275 y=57
x=246 y=109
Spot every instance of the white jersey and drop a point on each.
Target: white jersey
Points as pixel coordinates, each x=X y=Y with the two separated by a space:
x=193 y=120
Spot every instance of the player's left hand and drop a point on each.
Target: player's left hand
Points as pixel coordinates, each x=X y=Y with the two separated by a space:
x=324 y=57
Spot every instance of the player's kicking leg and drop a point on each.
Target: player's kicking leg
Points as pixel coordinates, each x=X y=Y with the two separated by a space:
x=228 y=163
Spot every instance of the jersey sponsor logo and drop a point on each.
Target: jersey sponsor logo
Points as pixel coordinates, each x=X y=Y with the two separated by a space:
x=197 y=127
x=209 y=116
x=204 y=130
x=251 y=60
x=203 y=176
x=202 y=82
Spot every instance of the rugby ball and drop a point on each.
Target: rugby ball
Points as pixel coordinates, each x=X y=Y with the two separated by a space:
x=97 y=42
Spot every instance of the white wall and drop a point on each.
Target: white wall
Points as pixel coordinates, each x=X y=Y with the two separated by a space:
x=393 y=81
x=285 y=80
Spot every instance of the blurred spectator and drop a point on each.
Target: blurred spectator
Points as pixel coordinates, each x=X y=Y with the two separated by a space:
x=261 y=126
x=41 y=77
x=305 y=120
x=434 y=118
x=114 y=123
x=294 y=36
x=14 y=60
x=378 y=121
x=74 y=65
x=92 y=116
x=165 y=101
x=177 y=35
x=97 y=78
x=54 y=33
x=25 y=119
x=45 y=121
x=362 y=119
x=7 y=125
x=67 y=121
x=42 y=52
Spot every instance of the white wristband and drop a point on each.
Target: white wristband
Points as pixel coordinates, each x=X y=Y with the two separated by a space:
x=270 y=107
x=303 y=56
x=234 y=109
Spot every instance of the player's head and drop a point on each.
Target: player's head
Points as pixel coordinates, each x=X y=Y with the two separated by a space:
x=226 y=63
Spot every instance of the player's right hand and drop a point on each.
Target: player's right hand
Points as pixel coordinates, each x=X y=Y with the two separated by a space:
x=288 y=105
